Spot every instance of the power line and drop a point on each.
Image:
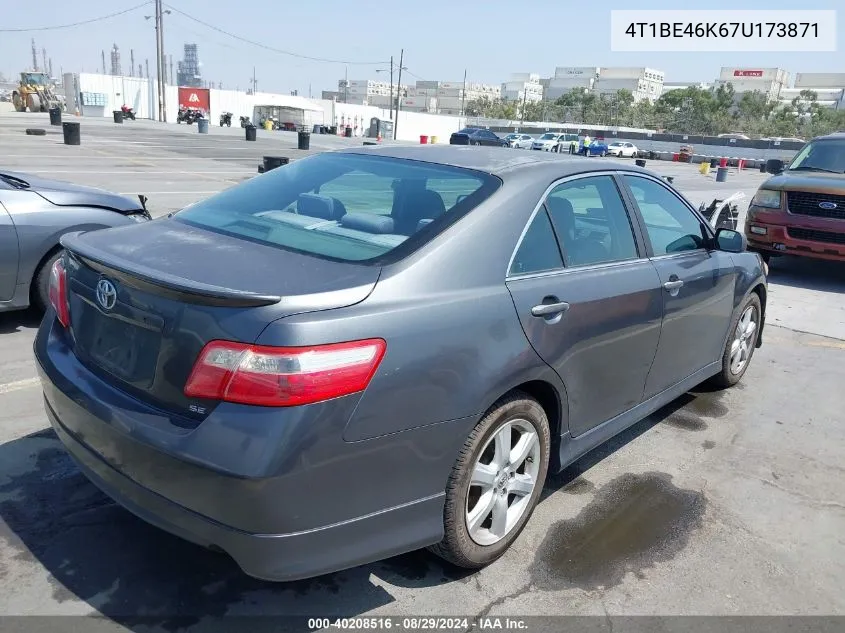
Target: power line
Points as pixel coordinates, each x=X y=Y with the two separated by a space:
x=68 y=26
x=270 y=48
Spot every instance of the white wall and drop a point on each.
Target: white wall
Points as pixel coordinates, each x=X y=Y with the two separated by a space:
x=142 y=96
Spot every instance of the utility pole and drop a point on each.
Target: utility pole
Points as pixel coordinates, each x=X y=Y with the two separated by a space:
x=398 y=92
x=524 y=102
x=147 y=62
x=159 y=82
x=44 y=58
x=103 y=54
x=172 y=80
x=141 y=71
x=464 y=92
x=254 y=81
x=346 y=84
x=131 y=62
x=161 y=13
x=391 y=87
x=50 y=66
x=34 y=57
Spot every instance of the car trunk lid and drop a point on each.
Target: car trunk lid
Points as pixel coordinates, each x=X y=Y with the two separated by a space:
x=145 y=299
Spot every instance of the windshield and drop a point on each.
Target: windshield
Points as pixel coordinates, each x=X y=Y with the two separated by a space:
x=35 y=79
x=344 y=207
x=821 y=155
x=548 y=137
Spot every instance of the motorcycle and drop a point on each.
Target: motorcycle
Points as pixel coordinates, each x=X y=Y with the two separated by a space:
x=189 y=115
x=245 y=121
x=226 y=119
x=128 y=113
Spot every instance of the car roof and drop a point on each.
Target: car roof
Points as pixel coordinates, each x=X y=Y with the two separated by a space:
x=835 y=135
x=494 y=160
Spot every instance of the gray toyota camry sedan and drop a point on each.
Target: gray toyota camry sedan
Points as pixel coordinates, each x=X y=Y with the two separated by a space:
x=377 y=350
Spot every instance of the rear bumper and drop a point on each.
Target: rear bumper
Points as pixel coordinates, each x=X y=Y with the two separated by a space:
x=275 y=557
x=788 y=234
x=313 y=508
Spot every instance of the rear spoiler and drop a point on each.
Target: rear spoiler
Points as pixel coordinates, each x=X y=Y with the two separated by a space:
x=161 y=283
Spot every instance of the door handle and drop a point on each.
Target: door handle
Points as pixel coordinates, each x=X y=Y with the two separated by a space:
x=548 y=309
x=673 y=285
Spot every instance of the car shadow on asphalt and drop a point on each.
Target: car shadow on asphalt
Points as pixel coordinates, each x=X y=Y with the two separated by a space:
x=133 y=573
x=11 y=322
x=136 y=574
x=810 y=274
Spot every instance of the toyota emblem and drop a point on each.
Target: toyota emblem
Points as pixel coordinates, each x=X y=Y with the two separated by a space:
x=106 y=294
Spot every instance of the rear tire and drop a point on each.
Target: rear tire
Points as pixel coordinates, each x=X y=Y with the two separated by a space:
x=516 y=416
x=741 y=343
x=39 y=291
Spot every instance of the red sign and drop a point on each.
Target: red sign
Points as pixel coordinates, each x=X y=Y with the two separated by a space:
x=198 y=98
x=748 y=73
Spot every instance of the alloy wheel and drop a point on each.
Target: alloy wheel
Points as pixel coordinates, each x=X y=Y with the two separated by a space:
x=743 y=342
x=502 y=482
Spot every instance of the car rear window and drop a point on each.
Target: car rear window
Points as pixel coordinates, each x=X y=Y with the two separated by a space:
x=346 y=207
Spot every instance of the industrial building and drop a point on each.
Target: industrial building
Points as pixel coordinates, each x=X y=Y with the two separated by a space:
x=522 y=87
x=645 y=84
x=450 y=97
x=374 y=92
x=769 y=81
x=188 y=70
x=569 y=78
x=669 y=86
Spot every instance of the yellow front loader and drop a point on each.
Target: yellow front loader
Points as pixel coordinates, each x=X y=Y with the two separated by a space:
x=35 y=92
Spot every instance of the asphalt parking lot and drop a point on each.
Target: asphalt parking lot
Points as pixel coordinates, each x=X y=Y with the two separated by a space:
x=721 y=504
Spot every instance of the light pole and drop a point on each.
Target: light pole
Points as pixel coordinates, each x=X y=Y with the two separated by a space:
x=398 y=92
x=161 y=64
x=381 y=70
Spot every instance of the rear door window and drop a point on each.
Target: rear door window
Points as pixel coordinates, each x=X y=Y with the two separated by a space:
x=345 y=206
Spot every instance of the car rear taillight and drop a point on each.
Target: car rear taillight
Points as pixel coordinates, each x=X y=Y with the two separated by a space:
x=283 y=376
x=58 y=292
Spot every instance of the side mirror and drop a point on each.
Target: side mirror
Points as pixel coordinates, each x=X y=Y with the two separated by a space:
x=730 y=241
x=774 y=166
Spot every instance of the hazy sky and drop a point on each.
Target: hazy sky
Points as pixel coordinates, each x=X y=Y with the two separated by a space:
x=441 y=38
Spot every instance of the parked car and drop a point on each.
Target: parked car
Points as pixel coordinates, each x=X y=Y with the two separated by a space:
x=623 y=149
x=565 y=142
x=597 y=148
x=519 y=141
x=800 y=210
x=547 y=142
x=34 y=214
x=379 y=349
x=477 y=136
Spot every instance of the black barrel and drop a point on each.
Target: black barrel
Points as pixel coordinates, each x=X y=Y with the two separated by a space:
x=721 y=174
x=333 y=130
x=304 y=140
x=271 y=162
x=251 y=132
x=118 y=116
x=763 y=167
x=55 y=116
x=70 y=130
x=640 y=162
x=348 y=132
x=317 y=129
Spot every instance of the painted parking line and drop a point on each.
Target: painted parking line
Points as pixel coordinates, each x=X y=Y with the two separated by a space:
x=18 y=385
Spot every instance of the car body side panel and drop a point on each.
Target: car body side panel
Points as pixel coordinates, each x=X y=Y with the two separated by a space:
x=9 y=255
x=604 y=344
x=41 y=224
x=696 y=318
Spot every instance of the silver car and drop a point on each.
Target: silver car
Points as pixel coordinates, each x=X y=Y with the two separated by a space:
x=519 y=141
x=34 y=214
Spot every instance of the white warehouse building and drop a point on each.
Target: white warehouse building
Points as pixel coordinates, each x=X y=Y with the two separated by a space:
x=769 y=81
x=646 y=84
x=569 y=78
x=523 y=87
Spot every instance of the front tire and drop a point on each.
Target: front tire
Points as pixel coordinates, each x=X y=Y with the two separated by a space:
x=495 y=483
x=742 y=340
